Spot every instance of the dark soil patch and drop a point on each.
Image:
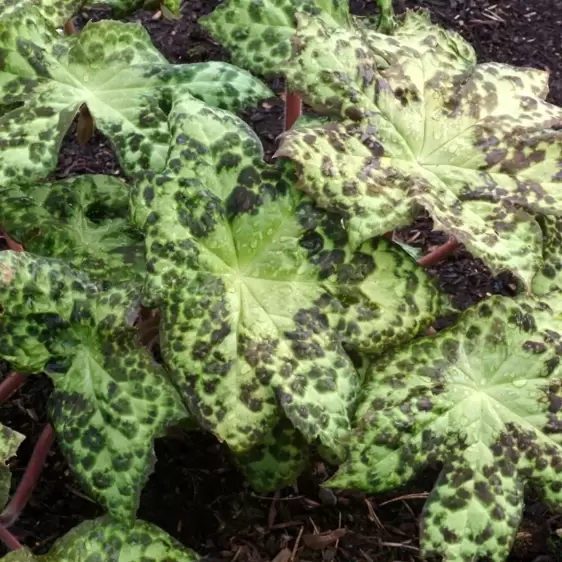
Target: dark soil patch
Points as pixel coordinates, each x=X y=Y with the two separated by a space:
x=195 y=494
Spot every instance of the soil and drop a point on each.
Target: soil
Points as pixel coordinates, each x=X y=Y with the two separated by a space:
x=195 y=494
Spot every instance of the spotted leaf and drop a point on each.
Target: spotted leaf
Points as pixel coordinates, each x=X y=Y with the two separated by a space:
x=22 y=340
x=125 y=82
x=82 y=220
x=483 y=398
x=259 y=290
x=110 y=399
x=276 y=462
x=123 y=8
x=549 y=278
x=49 y=13
x=99 y=539
x=415 y=34
x=10 y=441
x=432 y=130
x=258 y=34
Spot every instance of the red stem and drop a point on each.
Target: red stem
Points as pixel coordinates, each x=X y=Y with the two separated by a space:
x=293 y=109
x=12 y=244
x=439 y=253
x=10 y=384
x=19 y=500
x=8 y=539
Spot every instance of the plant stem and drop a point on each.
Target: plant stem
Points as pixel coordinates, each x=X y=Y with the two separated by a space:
x=293 y=108
x=19 y=500
x=8 y=539
x=439 y=253
x=10 y=384
x=12 y=245
x=387 y=20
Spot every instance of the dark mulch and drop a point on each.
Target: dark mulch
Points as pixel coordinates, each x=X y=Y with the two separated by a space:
x=195 y=494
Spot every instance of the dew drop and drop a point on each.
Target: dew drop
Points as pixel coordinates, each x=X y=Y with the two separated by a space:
x=519 y=383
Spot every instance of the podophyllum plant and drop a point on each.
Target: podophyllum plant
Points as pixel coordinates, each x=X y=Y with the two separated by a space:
x=484 y=399
x=415 y=124
x=259 y=290
x=69 y=308
x=264 y=290
x=110 y=67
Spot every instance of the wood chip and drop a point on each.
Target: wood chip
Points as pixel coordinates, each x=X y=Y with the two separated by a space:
x=283 y=556
x=322 y=540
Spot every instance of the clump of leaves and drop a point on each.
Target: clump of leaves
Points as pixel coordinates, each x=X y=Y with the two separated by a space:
x=416 y=124
x=484 y=398
x=259 y=290
x=102 y=538
x=111 y=400
x=471 y=144
x=259 y=34
x=113 y=69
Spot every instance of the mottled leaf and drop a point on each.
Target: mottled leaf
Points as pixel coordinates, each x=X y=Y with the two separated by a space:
x=10 y=441
x=121 y=8
x=258 y=33
x=125 y=82
x=50 y=13
x=276 y=462
x=485 y=399
x=22 y=342
x=82 y=220
x=105 y=540
x=258 y=289
x=414 y=35
x=110 y=399
x=548 y=278
x=431 y=130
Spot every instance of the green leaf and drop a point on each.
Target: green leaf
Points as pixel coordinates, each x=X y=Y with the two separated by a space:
x=276 y=462
x=258 y=34
x=110 y=399
x=548 y=278
x=104 y=540
x=22 y=341
x=433 y=131
x=82 y=220
x=485 y=399
x=387 y=20
x=414 y=35
x=125 y=82
x=51 y=13
x=10 y=441
x=121 y=8
x=258 y=289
